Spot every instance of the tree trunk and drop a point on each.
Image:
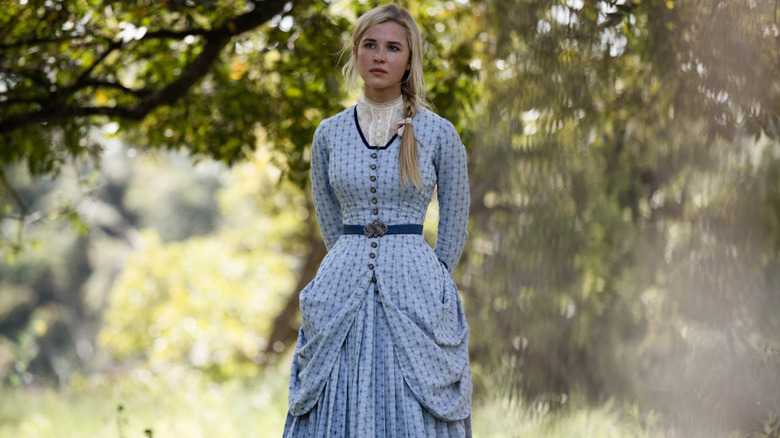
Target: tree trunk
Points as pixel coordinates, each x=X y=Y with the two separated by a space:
x=285 y=326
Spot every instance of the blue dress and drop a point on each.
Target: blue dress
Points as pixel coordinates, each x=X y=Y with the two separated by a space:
x=383 y=346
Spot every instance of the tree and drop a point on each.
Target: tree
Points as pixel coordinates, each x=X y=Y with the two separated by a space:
x=175 y=75
x=64 y=62
x=208 y=302
x=614 y=141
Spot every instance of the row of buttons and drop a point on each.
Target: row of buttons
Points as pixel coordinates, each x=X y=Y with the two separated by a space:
x=373 y=189
x=375 y=212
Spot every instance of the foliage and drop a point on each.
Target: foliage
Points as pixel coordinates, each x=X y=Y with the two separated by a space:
x=60 y=281
x=624 y=217
x=65 y=62
x=209 y=301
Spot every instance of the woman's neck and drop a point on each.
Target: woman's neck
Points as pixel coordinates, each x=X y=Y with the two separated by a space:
x=382 y=95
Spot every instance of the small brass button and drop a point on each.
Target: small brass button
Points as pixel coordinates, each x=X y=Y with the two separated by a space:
x=370 y=266
x=373 y=167
x=373 y=189
x=373 y=244
x=373 y=178
x=373 y=155
x=373 y=279
x=372 y=255
x=375 y=211
x=373 y=201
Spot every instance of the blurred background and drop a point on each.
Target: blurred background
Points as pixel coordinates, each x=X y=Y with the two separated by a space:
x=622 y=276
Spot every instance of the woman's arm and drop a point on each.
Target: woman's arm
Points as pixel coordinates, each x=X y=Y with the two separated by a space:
x=453 y=196
x=325 y=203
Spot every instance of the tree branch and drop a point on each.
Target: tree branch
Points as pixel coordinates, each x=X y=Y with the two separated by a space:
x=175 y=35
x=85 y=74
x=36 y=76
x=24 y=211
x=34 y=41
x=157 y=34
x=216 y=40
x=106 y=84
x=17 y=100
x=41 y=100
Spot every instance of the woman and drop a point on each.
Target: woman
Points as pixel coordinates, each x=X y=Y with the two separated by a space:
x=383 y=346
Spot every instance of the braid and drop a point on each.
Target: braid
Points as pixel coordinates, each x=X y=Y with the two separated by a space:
x=407 y=155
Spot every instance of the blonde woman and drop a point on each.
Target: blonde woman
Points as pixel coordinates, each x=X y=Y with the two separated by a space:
x=383 y=346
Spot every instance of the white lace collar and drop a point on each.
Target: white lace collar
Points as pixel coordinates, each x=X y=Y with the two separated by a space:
x=398 y=101
x=377 y=120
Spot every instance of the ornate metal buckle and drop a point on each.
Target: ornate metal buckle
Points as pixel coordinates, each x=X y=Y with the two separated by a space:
x=375 y=229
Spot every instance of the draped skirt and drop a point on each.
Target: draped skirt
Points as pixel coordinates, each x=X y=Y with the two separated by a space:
x=374 y=362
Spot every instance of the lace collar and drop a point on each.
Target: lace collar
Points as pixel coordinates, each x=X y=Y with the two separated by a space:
x=376 y=120
x=374 y=106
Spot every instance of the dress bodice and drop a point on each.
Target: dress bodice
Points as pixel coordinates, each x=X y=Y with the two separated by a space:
x=354 y=182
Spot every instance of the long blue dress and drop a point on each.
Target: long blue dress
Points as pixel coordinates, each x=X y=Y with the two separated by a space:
x=383 y=346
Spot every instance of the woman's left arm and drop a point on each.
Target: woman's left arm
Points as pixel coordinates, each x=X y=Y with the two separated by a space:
x=453 y=196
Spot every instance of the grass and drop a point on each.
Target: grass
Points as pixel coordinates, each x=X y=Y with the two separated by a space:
x=504 y=419
x=128 y=408
x=185 y=406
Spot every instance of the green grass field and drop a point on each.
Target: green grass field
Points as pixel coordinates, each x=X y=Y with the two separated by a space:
x=234 y=411
x=184 y=406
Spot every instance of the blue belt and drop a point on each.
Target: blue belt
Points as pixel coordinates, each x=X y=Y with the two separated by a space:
x=378 y=229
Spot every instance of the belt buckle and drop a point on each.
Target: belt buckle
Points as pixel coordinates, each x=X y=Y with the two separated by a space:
x=375 y=229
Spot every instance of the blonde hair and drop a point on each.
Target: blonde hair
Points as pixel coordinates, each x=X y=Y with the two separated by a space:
x=412 y=85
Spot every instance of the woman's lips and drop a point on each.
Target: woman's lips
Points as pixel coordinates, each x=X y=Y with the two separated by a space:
x=377 y=71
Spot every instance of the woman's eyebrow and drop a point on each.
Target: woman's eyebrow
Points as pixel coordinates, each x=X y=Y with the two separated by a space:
x=372 y=40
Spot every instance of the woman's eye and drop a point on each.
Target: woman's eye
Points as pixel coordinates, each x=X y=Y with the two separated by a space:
x=369 y=45
x=394 y=48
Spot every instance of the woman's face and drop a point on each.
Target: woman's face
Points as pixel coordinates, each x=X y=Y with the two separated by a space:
x=382 y=59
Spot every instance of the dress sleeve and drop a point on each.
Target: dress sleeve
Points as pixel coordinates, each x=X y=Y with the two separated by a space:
x=453 y=196
x=325 y=203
